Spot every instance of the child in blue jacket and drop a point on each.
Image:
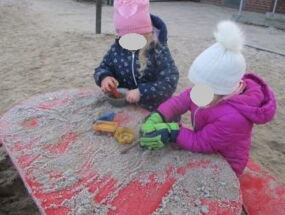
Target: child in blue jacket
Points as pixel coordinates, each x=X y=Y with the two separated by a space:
x=150 y=73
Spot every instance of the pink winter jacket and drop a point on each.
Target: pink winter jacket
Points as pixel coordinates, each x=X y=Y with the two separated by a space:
x=225 y=128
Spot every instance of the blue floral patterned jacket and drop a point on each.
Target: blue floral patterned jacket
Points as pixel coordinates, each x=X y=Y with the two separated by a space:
x=159 y=79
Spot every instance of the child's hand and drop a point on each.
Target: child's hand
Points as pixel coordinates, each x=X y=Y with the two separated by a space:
x=133 y=96
x=161 y=135
x=108 y=83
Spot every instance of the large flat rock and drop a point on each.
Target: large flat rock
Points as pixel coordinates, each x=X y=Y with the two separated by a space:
x=68 y=169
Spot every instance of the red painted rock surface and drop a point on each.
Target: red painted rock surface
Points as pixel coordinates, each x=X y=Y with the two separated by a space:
x=70 y=170
x=262 y=193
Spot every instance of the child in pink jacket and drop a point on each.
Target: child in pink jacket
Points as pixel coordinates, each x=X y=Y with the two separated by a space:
x=225 y=125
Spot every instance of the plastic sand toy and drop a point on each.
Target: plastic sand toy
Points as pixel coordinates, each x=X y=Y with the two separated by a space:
x=124 y=135
x=115 y=93
x=105 y=126
x=118 y=99
x=109 y=116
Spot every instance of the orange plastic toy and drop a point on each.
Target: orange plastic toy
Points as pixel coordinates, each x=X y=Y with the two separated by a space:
x=105 y=126
x=115 y=93
x=122 y=134
x=125 y=135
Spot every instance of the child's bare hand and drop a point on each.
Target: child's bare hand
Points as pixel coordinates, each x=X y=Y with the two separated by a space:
x=108 y=83
x=133 y=96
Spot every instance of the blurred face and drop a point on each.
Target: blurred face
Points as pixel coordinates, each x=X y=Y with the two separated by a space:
x=202 y=95
x=133 y=41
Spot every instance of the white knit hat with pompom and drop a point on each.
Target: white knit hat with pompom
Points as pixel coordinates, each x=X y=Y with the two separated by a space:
x=222 y=65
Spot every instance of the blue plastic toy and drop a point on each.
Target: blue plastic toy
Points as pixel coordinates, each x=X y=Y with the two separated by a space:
x=109 y=116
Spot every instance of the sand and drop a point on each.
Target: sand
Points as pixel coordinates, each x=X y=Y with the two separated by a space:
x=50 y=45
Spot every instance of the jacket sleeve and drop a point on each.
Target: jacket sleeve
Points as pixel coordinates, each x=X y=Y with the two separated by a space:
x=215 y=136
x=105 y=68
x=166 y=80
x=176 y=106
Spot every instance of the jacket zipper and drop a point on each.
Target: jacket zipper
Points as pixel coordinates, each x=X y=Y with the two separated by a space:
x=133 y=68
x=194 y=118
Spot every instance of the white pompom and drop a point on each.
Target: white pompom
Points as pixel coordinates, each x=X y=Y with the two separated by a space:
x=230 y=36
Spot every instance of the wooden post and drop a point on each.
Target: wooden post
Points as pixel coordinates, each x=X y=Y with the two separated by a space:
x=98 y=16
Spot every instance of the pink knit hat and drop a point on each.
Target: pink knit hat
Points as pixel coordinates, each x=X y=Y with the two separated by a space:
x=132 y=16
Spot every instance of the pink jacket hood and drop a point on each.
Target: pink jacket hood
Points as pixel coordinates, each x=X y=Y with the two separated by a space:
x=258 y=102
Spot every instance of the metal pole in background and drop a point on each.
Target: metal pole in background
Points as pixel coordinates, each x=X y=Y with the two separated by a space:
x=275 y=6
x=98 y=16
x=240 y=8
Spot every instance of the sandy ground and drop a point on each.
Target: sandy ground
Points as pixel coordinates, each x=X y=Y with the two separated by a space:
x=50 y=45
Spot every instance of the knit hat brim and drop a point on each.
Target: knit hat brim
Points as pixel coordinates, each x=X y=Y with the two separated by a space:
x=195 y=79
